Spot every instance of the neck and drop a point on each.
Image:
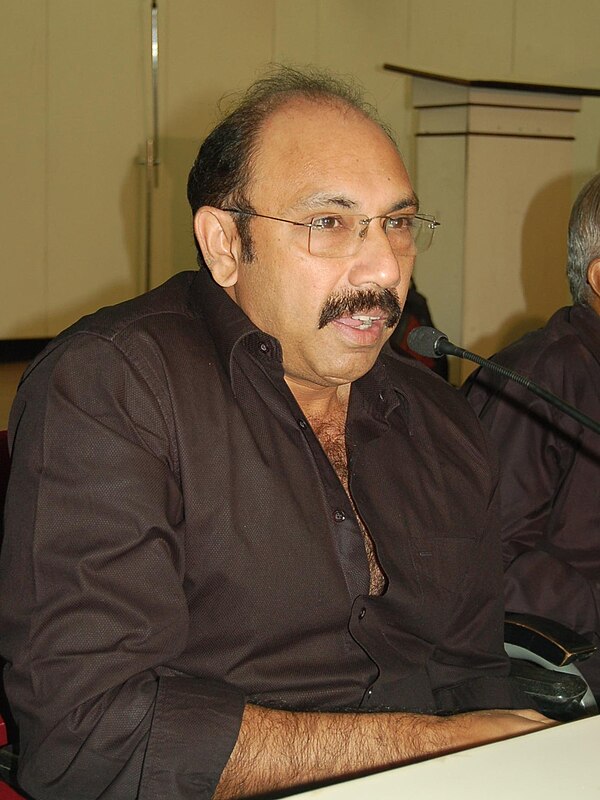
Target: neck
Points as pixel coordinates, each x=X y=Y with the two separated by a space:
x=320 y=402
x=594 y=304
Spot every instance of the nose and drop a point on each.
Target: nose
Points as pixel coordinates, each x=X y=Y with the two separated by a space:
x=376 y=264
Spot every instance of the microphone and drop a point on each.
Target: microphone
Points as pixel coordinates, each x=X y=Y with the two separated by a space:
x=432 y=343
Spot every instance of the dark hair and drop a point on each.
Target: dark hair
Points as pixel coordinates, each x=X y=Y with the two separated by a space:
x=223 y=166
x=584 y=239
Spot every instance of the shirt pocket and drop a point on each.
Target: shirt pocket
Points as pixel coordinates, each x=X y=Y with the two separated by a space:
x=443 y=564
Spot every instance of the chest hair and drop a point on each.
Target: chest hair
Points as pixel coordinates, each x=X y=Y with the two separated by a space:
x=331 y=434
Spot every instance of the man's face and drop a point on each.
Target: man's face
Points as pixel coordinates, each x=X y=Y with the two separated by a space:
x=314 y=159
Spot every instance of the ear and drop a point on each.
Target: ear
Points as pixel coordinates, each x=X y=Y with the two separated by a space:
x=218 y=238
x=593 y=278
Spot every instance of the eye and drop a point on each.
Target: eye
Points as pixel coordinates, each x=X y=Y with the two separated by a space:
x=400 y=223
x=331 y=222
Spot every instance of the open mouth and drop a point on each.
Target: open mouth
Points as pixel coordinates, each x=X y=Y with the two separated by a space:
x=362 y=309
x=366 y=321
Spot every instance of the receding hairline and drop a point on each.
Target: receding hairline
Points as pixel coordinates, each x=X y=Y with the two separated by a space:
x=280 y=83
x=296 y=99
x=296 y=102
x=224 y=167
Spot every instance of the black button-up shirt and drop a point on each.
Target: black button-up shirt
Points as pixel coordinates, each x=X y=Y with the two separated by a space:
x=178 y=544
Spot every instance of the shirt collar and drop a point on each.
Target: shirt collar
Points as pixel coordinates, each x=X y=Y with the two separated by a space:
x=228 y=326
x=587 y=323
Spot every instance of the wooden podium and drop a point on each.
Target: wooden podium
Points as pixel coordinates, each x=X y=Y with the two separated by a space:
x=494 y=164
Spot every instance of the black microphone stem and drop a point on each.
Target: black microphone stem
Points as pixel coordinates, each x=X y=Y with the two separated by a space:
x=445 y=347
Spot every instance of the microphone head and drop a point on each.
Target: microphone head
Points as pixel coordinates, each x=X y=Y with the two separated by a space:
x=425 y=341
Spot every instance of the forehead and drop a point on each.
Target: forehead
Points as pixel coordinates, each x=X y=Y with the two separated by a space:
x=317 y=148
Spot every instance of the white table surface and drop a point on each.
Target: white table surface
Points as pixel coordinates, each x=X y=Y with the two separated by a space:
x=554 y=764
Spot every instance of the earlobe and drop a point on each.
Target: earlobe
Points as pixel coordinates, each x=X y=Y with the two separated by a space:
x=217 y=237
x=593 y=278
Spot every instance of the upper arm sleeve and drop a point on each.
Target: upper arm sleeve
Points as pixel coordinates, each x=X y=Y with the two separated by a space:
x=532 y=459
x=94 y=573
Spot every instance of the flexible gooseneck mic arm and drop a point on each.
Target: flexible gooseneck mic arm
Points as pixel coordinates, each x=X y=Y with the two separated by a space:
x=430 y=342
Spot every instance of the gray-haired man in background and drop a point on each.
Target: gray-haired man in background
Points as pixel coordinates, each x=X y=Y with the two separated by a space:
x=550 y=484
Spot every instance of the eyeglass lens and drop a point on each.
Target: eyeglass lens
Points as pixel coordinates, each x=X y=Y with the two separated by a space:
x=343 y=235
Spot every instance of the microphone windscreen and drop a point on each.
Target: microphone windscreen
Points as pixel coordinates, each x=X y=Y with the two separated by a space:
x=423 y=340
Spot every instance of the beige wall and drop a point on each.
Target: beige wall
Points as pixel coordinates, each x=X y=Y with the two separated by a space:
x=76 y=114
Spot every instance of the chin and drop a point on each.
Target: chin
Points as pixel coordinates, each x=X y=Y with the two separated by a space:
x=351 y=368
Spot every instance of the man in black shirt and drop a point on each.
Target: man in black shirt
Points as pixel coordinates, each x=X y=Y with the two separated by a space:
x=234 y=528
x=550 y=513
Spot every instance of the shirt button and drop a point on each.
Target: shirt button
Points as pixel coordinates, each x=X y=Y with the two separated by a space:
x=303 y=424
x=339 y=516
x=381 y=395
x=361 y=613
x=264 y=348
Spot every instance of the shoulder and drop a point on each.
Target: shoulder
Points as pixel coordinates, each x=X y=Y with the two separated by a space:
x=555 y=356
x=119 y=363
x=555 y=344
x=127 y=328
x=558 y=358
x=131 y=355
x=169 y=299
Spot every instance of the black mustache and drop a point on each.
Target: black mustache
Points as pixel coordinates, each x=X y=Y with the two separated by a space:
x=354 y=301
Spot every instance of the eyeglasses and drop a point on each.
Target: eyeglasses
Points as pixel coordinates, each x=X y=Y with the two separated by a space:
x=340 y=235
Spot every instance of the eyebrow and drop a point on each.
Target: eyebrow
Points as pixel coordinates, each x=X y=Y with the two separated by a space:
x=323 y=199
x=408 y=202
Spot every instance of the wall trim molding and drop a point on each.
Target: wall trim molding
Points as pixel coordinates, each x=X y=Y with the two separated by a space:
x=20 y=349
x=515 y=86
